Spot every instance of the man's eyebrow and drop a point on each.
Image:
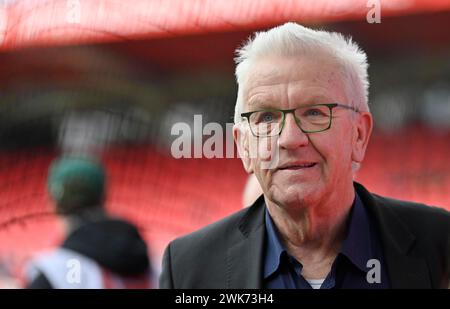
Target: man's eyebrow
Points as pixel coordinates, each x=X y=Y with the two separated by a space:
x=262 y=105
x=266 y=102
x=260 y=100
x=314 y=99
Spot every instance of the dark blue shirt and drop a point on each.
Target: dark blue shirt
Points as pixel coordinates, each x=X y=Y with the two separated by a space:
x=350 y=269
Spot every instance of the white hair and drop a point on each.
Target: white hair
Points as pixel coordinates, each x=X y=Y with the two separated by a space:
x=292 y=39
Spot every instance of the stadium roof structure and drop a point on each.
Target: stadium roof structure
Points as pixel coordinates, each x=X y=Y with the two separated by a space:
x=25 y=23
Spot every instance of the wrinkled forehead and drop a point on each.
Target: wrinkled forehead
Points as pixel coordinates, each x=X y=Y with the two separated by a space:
x=304 y=77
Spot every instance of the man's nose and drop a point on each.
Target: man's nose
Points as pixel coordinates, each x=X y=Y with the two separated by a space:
x=292 y=137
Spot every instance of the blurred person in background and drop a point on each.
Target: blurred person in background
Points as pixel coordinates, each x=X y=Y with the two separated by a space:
x=302 y=125
x=99 y=251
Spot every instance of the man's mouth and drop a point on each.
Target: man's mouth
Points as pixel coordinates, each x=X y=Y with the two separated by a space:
x=297 y=166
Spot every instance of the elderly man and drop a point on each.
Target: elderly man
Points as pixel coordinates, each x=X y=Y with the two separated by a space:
x=302 y=125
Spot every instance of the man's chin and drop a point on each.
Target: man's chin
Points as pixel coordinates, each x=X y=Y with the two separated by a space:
x=296 y=197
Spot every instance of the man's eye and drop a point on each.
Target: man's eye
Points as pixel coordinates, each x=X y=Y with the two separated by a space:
x=313 y=112
x=266 y=117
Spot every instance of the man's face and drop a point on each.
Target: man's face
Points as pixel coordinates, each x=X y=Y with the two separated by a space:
x=309 y=166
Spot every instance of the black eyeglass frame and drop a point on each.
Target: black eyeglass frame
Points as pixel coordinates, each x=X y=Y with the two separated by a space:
x=297 y=121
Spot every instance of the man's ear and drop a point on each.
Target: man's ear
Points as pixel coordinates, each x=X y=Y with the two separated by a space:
x=362 y=131
x=240 y=135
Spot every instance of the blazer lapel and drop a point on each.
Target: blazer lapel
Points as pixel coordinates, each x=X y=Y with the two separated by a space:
x=405 y=271
x=245 y=251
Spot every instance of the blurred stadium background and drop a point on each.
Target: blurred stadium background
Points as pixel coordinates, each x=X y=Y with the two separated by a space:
x=116 y=75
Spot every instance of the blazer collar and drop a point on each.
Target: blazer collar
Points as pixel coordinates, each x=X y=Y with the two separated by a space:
x=245 y=250
x=405 y=270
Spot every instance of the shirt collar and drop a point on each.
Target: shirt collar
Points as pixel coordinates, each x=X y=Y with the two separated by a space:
x=357 y=246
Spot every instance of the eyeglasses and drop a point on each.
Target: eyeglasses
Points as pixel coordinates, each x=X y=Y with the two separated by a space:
x=309 y=118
